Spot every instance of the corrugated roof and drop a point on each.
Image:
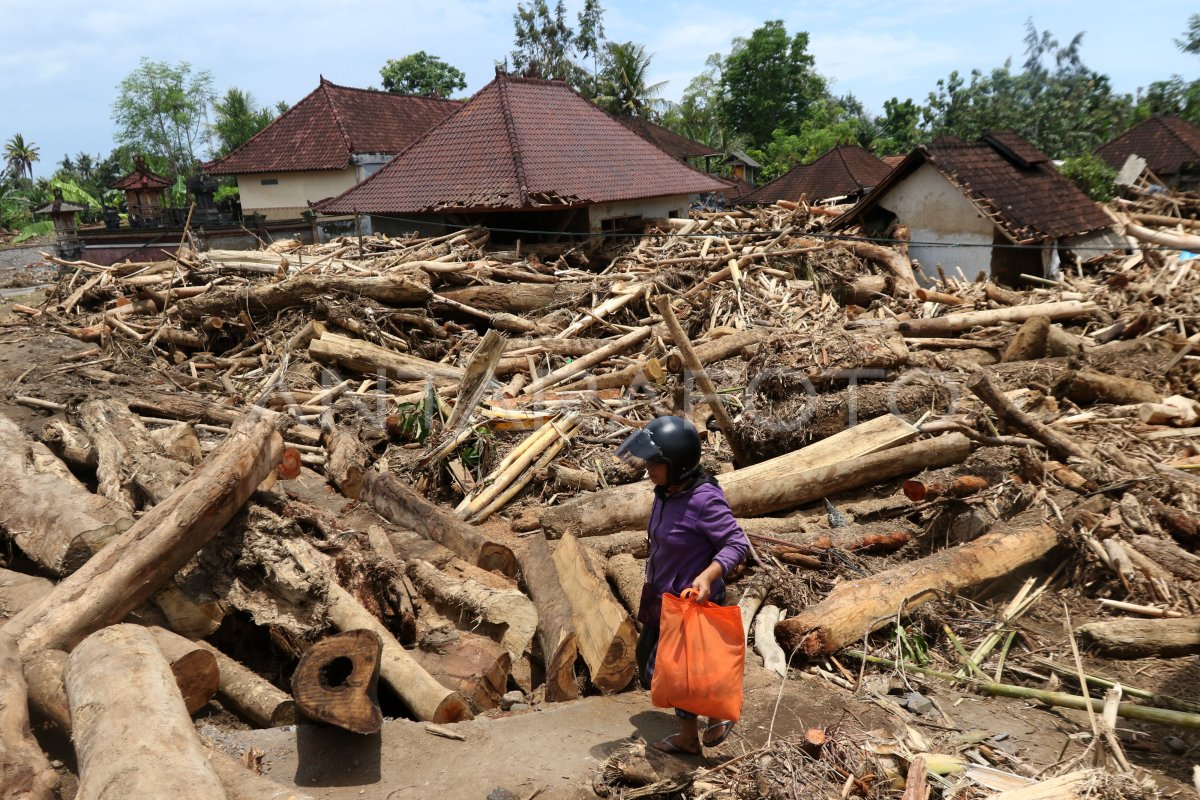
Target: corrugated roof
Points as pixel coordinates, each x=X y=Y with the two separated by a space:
x=666 y=140
x=1028 y=201
x=332 y=123
x=1169 y=144
x=844 y=170
x=522 y=143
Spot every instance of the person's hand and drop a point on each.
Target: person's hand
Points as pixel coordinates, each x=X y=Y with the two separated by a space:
x=703 y=586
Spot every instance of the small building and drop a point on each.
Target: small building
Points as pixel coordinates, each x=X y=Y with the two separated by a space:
x=145 y=196
x=997 y=205
x=334 y=138
x=527 y=156
x=845 y=173
x=1170 y=146
x=67 y=243
x=742 y=168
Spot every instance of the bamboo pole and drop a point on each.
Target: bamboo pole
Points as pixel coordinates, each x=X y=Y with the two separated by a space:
x=587 y=362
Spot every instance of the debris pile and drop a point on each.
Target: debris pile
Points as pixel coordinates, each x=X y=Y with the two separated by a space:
x=890 y=444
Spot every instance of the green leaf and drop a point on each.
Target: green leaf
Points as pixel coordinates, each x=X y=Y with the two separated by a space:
x=36 y=229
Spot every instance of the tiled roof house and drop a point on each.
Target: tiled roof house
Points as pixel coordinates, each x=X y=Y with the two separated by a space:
x=845 y=171
x=667 y=140
x=995 y=205
x=332 y=139
x=529 y=154
x=1170 y=145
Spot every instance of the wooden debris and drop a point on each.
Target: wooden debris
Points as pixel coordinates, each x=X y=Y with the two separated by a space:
x=337 y=681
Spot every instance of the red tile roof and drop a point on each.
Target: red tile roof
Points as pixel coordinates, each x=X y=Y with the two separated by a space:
x=141 y=178
x=1169 y=144
x=892 y=161
x=844 y=170
x=1029 y=202
x=666 y=140
x=331 y=124
x=522 y=143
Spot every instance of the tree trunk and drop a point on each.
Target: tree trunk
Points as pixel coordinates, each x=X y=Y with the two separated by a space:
x=629 y=576
x=555 y=629
x=1030 y=340
x=70 y=444
x=585 y=363
x=1171 y=556
x=195 y=668
x=854 y=608
x=606 y=634
x=1144 y=638
x=365 y=358
x=1059 y=444
x=718 y=349
x=337 y=681
x=18 y=590
x=254 y=697
x=47 y=512
x=192 y=409
x=132 y=732
x=896 y=263
x=748 y=490
x=474 y=666
x=518 y=298
x=25 y=772
x=496 y=607
x=144 y=558
x=954 y=323
x=266 y=299
x=1088 y=386
x=131 y=467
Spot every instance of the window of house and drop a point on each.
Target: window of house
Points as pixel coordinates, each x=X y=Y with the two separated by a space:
x=615 y=225
x=269 y=182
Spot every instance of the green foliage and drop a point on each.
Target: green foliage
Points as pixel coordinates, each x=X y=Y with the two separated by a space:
x=827 y=126
x=162 y=109
x=1172 y=97
x=72 y=192
x=768 y=82
x=19 y=156
x=34 y=229
x=475 y=450
x=899 y=127
x=1092 y=175
x=412 y=422
x=224 y=193
x=422 y=74
x=1190 y=43
x=913 y=647
x=92 y=175
x=546 y=46
x=623 y=87
x=697 y=114
x=237 y=119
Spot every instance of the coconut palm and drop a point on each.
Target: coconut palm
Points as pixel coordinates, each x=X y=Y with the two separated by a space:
x=20 y=156
x=623 y=87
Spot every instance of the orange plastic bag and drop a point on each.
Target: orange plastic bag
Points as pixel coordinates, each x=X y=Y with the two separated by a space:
x=700 y=658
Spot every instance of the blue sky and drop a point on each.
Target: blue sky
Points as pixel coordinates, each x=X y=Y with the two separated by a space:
x=62 y=61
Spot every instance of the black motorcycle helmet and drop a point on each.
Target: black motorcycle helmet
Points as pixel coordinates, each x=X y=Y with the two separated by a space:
x=672 y=440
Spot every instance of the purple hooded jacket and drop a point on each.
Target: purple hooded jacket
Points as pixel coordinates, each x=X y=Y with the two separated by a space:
x=688 y=531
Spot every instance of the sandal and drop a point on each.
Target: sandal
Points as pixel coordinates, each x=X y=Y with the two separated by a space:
x=724 y=726
x=668 y=745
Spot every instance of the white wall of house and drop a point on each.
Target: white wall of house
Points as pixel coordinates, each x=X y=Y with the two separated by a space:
x=673 y=206
x=284 y=195
x=936 y=211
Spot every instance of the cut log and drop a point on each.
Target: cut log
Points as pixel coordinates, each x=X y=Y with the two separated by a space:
x=573 y=480
x=195 y=668
x=954 y=323
x=365 y=358
x=474 y=666
x=255 y=698
x=337 y=681
x=194 y=409
x=556 y=637
x=764 y=641
x=126 y=715
x=584 y=363
x=750 y=491
x=606 y=634
x=718 y=349
x=896 y=263
x=1143 y=638
x=518 y=298
x=628 y=575
x=496 y=608
x=25 y=772
x=962 y=486
x=70 y=444
x=753 y=596
x=18 y=590
x=265 y=299
x=863 y=290
x=404 y=507
x=855 y=608
x=1060 y=344
x=144 y=558
x=1030 y=340
x=1165 y=552
x=48 y=513
x=131 y=467
x=1088 y=386
x=1059 y=444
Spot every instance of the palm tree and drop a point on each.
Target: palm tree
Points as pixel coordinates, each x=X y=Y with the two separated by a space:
x=20 y=156
x=623 y=87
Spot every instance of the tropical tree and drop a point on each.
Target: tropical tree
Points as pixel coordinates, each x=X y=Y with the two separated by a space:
x=828 y=124
x=623 y=86
x=768 y=82
x=899 y=127
x=1190 y=43
x=546 y=46
x=237 y=118
x=162 y=110
x=422 y=74
x=19 y=155
x=697 y=114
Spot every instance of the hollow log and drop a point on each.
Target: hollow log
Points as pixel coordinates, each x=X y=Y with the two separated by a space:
x=25 y=771
x=255 y=698
x=1030 y=340
x=854 y=608
x=143 y=559
x=48 y=513
x=366 y=358
x=131 y=467
x=337 y=681
x=195 y=668
x=954 y=323
x=474 y=666
x=606 y=634
x=496 y=607
x=628 y=575
x=127 y=714
x=265 y=299
x=556 y=636
x=749 y=490
x=1143 y=638
x=1088 y=386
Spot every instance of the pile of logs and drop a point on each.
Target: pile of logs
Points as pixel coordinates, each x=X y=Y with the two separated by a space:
x=463 y=402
